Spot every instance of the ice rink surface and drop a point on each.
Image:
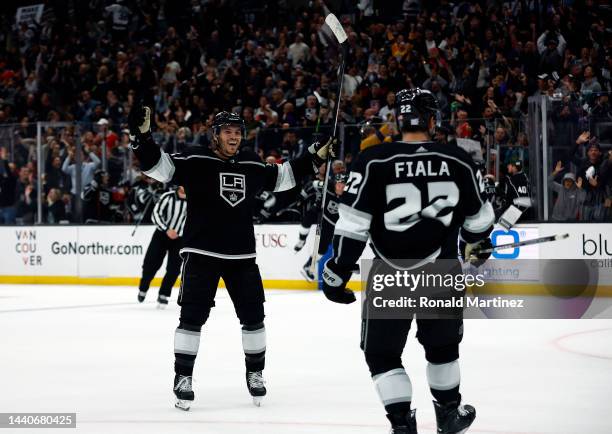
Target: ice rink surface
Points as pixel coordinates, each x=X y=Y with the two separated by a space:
x=97 y=352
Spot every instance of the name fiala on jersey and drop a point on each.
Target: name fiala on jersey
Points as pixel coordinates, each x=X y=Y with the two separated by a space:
x=409 y=169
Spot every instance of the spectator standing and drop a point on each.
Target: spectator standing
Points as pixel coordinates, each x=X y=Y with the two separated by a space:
x=54 y=210
x=90 y=162
x=570 y=195
x=299 y=51
x=590 y=170
x=8 y=186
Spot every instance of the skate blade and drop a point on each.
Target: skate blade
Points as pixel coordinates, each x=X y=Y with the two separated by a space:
x=257 y=400
x=161 y=306
x=306 y=276
x=183 y=404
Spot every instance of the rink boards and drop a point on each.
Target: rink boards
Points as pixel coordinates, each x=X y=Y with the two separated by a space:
x=110 y=255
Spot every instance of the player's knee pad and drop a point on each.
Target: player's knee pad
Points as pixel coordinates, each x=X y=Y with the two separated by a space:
x=442 y=354
x=194 y=315
x=382 y=362
x=250 y=313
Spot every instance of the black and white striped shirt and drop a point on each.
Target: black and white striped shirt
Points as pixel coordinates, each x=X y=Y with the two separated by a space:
x=170 y=212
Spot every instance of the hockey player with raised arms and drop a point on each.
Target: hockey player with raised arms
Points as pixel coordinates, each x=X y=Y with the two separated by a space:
x=218 y=238
x=411 y=198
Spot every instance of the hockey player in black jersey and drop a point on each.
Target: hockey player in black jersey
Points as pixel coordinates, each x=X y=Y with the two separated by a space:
x=335 y=190
x=98 y=200
x=410 y=198
x=169 y=214
x=219 y=238
x=516 y=189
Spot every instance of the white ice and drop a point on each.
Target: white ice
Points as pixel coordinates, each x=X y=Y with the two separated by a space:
x=96 y=352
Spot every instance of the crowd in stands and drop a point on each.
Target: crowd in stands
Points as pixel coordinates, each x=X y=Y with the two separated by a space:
x=88 y=64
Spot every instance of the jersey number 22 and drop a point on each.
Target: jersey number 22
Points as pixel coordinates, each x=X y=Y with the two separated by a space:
x=440 y=194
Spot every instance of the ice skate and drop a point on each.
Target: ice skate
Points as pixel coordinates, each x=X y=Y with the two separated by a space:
x=403 y=423
x=307 y=273
x=454 y=418
x=256 y=386
x=183 y=391
x=162 y=302
x=141 y=296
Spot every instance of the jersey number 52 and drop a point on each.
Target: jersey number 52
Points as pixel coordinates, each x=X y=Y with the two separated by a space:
x=440 y=195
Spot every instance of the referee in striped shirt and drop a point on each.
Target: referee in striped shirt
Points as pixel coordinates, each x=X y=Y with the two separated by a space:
x=169 y=216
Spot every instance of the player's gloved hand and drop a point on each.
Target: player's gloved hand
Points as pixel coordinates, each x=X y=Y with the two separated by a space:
x=469 y=251
x=335 y=279
x=139 y=121
x=320 y=151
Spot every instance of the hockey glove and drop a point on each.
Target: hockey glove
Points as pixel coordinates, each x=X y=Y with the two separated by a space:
x=335 y=279
x=139 y=121
x=319 y=152
x=469 y=251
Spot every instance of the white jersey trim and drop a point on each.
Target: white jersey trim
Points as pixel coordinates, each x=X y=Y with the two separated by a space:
x=480 y=221
x=285 y=179
x=208 y=157
x=217 y=255
x=163 y=171
x=428 y=260
x=353 y=223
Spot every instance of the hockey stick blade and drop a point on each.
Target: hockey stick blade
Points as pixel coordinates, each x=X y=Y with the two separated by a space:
x=533 y=241
x=336 y=28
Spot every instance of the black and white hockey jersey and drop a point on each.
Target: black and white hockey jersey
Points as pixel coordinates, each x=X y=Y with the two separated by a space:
x=220 y=193
x=170 y=212
x=410 y=200
x=514 y=187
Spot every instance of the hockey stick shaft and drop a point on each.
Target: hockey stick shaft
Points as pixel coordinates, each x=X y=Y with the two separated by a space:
x=541 y=240
x=317 y=240
x=144 y=213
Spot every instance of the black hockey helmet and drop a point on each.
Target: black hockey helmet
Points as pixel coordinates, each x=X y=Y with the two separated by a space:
x=99 y=174
x=227 y=118
x=341 y=177
x=366 y=127
x=415 y=108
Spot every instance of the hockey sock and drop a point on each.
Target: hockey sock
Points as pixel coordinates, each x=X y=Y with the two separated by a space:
x=186 y=344
x=444 y=381
x=304 y=231
x=395 y=390
x=254 y=345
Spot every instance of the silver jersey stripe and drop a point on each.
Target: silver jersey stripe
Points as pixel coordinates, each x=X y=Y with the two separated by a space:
x=353 y=223
x=189 y=157
x=430 y=259
x=285 y=179
x=480 y=221
x=217 y=255
x=163 y=171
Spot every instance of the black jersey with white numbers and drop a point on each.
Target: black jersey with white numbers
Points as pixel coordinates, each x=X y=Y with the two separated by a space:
x=411 y=200
x=220 y=193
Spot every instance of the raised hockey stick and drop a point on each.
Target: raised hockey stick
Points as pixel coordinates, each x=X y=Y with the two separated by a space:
x=332 y=21
x=547 y=239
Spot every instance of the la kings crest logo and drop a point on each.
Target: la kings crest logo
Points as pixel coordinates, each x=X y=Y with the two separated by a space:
x=232 y=187
x=332 y=207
